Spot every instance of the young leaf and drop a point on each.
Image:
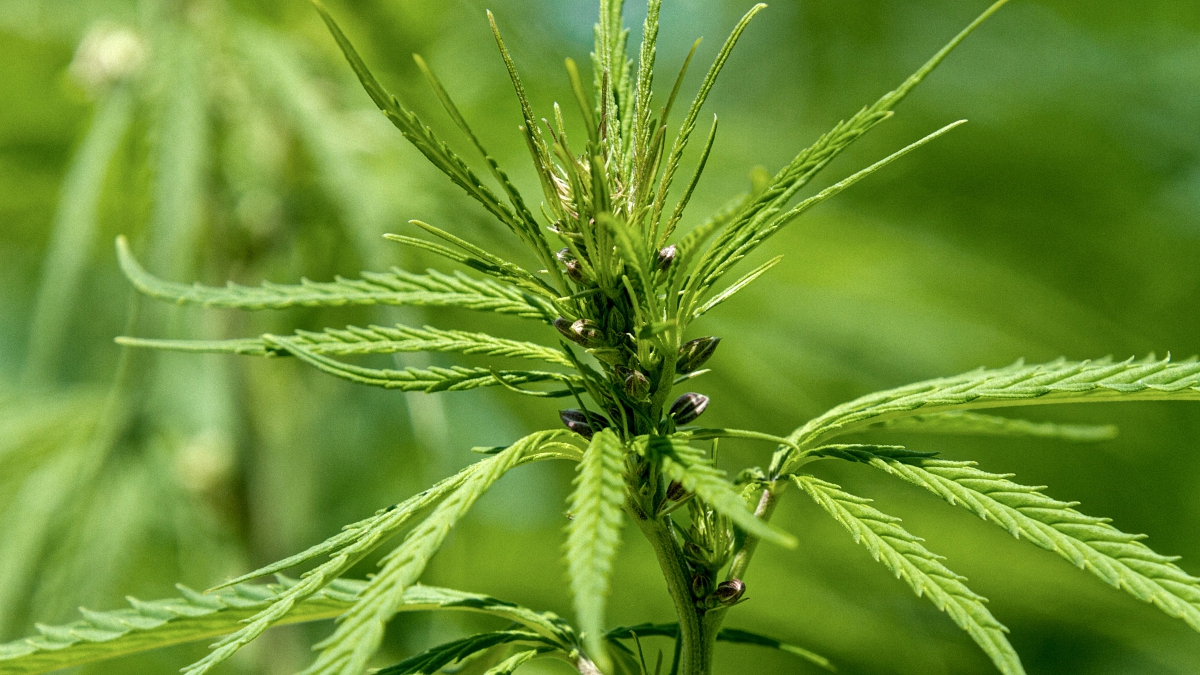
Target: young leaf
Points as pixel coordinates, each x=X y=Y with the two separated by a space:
x=689 y=122
x=594 y=533
x=977 y=424
x=903 y=554
x=1060 y=381
x=1091 y=544
x=397 y=287
x=436 y=151
x=353 y=340
x=360 y=630
x=742 y=237
x=695 y=472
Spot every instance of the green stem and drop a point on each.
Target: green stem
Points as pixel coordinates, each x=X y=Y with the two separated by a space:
x=737 y=569
x=695 y=645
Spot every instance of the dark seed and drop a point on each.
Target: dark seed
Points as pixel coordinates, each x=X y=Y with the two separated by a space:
x=584 y=424
x=729 y=592
x=637 y=385
x=695 y=353
x=688 y=407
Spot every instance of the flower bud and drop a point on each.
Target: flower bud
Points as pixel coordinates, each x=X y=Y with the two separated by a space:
x=666 y=257
x=729 y=592
x=584 y=424
x=637 y=385
x=695 y=353
x=688 y=407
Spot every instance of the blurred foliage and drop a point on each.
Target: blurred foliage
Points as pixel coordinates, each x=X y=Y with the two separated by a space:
x=229 y=141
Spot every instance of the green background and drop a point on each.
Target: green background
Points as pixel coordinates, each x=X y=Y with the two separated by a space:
x=1063 y=220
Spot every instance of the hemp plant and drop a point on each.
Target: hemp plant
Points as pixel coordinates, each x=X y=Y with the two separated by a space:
x=617 y=292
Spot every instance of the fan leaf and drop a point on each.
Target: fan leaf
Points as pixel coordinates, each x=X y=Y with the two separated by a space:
x=903 y=554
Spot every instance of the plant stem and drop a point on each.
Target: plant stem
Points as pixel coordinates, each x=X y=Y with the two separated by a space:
x=712 y=620
x=695 y=650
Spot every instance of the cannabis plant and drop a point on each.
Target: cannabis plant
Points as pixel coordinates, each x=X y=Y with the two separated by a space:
x=616 y=291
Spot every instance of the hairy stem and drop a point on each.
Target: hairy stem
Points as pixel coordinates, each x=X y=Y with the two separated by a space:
x=695 y=649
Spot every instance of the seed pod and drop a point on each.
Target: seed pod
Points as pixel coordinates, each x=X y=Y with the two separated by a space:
x=584 y=424
x=676 y=491
x=729 y=592
x=563 y=326
x=637 y=385
x=587 y=333
x=688 y=407
x=666 y=257
x=695 y=353
x=701 y=583
x=582 y=331
x=573 y=269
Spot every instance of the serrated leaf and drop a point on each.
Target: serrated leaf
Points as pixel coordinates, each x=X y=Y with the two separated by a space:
x=689 y=121
x=594 y=533
x=348 y=548
x=1092 y=544
x=360 y=630
x=353 y=341
x=1060 y=381
x=159 y=623
x=428 y=380
x=695 y=472
x=510 y=665
x=903 y=554
x=397 y=287
x=426 y=141
x=147 y=625
x=976 y=424
x=433 y=660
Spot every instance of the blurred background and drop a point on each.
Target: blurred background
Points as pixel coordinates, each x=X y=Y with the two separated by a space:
x=229 y=141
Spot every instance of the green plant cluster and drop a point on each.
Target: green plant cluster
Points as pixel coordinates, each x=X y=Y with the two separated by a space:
x=616 y=290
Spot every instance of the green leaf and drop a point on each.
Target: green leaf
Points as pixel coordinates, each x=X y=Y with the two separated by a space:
x=742 y=237
x=351 y=546
x=730 y=635
x=903 y=554
x=693 y=469
x=196 y=616
x=510 y=665
x=1060 y=381
x=737 y=286
x=594 y=533
x=429 y=380
x=433 y=660
x=353 y=341
x=977 y=424
x=159 y=623
x=1091 y=544
x=360 y=630
x=689 y=121
x=397 y=287
x=423 y=138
